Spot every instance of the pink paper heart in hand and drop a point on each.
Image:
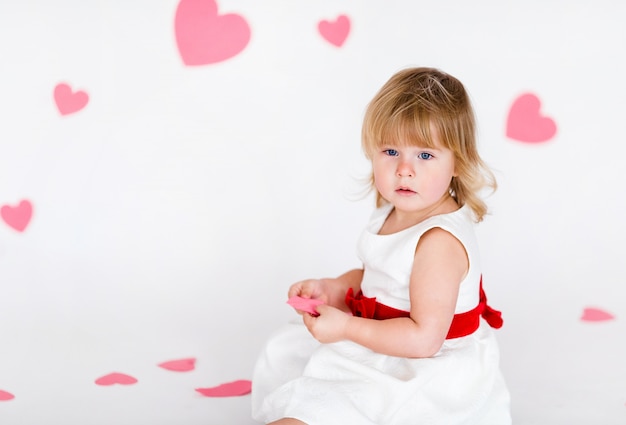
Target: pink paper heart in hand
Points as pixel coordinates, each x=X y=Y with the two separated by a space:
x=69 y=101
x=205 y=37
x=307 y=305
x=335 y=32
x=182 y=365
x=526 y=124
x=230 y=389
x=18 y=216
x=116 y=378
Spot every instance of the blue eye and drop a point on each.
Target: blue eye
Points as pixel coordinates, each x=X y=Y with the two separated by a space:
x=391 y=152
x=424 y=155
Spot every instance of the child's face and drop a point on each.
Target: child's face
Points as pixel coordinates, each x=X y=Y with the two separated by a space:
x=413 y=178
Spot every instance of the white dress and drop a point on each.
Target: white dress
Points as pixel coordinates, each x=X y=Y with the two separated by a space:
x=348 y=384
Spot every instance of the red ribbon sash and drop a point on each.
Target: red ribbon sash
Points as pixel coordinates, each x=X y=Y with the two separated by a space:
x=463 y=324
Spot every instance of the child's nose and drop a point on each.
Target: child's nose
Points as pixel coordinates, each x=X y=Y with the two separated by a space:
x=405 y=169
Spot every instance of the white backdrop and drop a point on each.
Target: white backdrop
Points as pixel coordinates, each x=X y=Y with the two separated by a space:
x=159 y=191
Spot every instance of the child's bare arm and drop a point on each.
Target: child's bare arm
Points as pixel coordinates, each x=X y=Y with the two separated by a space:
x=440 y=265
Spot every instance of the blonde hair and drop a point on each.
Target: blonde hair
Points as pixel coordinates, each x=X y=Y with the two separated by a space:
x=411 y=105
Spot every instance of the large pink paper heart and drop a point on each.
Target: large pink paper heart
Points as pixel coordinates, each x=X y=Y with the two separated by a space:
x=526 y=124
x=591 y=314
x=116 y=378
x=335 y=32
x=230 y=389
x=69 y=101
x=182 y=365
x=18 y=216
x=204 y=37
x=6 y=396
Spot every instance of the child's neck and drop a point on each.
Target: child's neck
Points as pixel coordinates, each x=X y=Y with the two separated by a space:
x=398 y=220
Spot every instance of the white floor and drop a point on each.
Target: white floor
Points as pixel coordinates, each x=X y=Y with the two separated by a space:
x=560 y=371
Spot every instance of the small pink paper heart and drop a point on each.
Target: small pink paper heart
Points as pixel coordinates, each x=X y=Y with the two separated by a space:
x=116 y=378
x=526 y=124
x=591 y=314
x=204 y=37
x=6 y=396
x=182 y=365
x=18 y=216
x=230 y=389
x=335 y=32
x=308 y=305
x=69 y=101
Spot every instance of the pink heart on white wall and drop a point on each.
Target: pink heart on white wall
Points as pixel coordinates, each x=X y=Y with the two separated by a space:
x=6 y=396
x=69 y=101
x=205 y=37
x=18 y=217
x=592 y=314
x=335 y=32
x=525 y=122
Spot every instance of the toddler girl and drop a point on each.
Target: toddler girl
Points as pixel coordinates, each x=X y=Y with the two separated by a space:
x=408 y=338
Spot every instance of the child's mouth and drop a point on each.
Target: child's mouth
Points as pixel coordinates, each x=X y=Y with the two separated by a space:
x=404 y=190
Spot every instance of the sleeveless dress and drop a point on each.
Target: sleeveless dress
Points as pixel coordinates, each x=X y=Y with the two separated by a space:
x=345 y=383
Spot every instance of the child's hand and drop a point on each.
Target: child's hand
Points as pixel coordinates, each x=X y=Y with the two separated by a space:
x=311 y=288
x=329 y=291
x=329 y=326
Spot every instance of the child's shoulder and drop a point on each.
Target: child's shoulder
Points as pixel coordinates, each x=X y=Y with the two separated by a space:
x=460 y=223
x=463 y=216
x=461 y=220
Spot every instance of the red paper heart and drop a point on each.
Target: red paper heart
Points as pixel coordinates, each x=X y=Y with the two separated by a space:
x=182 y=365
x=335 y=32
x=591 y=314
x=6 y=396
x=526 y=124
x=18 y=216
x=116 y=378
x=230 y=389
x=204 y=37
x=69 y=101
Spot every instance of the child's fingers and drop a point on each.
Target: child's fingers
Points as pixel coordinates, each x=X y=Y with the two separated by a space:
x=309 y=289
x=305 y=289
x=295 y=289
